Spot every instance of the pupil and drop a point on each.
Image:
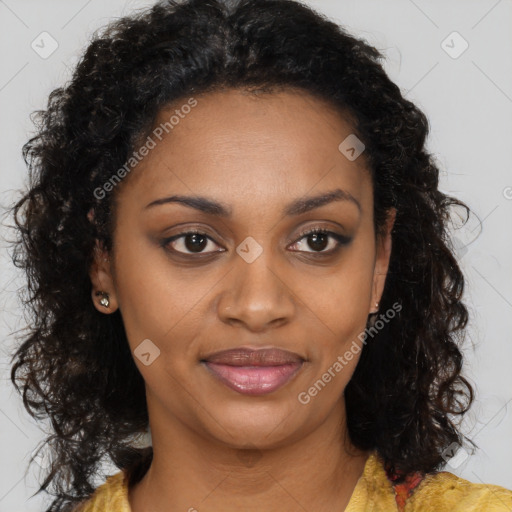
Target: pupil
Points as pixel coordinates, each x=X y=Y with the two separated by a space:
x=316 y=244
x=194 y=237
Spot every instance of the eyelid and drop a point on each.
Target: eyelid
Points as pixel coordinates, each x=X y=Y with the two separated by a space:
x=319 y=229
x=189 y=231
x=341 y=240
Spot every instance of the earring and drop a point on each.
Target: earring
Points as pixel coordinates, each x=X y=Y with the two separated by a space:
x=104 y=301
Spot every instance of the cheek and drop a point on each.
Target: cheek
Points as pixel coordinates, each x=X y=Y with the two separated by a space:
x=337 y=309
x=154 y=296
x=342 y=295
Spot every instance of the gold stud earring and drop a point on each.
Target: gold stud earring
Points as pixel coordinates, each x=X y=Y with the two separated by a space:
x=104 y=301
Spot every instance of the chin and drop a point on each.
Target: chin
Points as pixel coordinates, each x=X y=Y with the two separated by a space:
x=261 y=425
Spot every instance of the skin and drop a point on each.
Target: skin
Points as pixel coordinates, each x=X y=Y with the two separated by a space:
x=254 y=154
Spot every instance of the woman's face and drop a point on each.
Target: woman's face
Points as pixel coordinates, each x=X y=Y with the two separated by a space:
x=249 y=279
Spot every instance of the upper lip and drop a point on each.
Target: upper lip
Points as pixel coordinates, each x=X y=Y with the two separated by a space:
x=242 y=356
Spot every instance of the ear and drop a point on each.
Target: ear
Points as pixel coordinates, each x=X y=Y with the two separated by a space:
x=102 y=281
x=383 y=253
x=101 y=278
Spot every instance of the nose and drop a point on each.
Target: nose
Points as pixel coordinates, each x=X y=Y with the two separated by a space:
x=256 y=295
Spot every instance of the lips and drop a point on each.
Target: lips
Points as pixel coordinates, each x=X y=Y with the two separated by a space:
x=254 y=372
x=251 y=357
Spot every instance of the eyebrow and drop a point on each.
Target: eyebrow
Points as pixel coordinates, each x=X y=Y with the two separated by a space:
x=297 y=207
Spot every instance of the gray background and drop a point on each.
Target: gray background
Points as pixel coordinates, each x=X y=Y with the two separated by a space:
x=468 y=100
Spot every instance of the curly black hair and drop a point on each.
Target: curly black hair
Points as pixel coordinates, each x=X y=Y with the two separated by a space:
x=74 y=365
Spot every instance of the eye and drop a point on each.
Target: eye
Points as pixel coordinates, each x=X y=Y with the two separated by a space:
x=320 y=238
x=195 y=242
x=192 y=241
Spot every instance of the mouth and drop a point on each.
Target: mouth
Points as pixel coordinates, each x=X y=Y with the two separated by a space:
x=254 y=372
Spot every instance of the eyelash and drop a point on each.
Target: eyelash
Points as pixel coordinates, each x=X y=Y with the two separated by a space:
x=340 y=239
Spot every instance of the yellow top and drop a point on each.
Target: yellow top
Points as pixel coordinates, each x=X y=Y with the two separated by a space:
x=374 y=492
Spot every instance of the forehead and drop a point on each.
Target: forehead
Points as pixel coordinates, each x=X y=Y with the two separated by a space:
x=252 y=145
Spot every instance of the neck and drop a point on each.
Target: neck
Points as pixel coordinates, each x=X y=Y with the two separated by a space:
x=191 y=472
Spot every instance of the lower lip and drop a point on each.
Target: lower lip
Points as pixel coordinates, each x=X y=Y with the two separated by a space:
x=254 y=380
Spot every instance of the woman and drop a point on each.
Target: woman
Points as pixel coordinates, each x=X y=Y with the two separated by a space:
x=234 y=239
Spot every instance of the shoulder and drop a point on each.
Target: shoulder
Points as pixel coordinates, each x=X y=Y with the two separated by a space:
x=444 y=491
x=440 y=492
x=112 y=496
